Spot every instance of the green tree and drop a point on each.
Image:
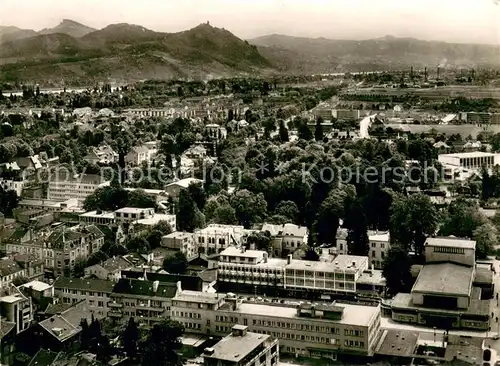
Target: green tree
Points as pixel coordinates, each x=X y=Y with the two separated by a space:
x=198 y=194
x=224 y=214
x=318 y=131
x=413 y=219
x=486 y=237
x=262 y=240
x=189 y=217
x=249 y=207
x=131 y=338
x=283 y=132
x=161 y=345
x=289 y=210
x=357 y=237
x=304 y=132
x=396 y=269
x=176 y=263
x=8 y=201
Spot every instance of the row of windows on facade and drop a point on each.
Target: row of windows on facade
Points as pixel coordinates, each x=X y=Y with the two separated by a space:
x=210 y=240
x=449 y=250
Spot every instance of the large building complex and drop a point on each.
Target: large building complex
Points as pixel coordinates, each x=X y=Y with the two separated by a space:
x=251 y=270
x=445 y=294
x=306 y=329
x=471 y=160
x=63 y=186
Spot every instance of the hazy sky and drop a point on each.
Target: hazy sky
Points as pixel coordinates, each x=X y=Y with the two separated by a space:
x=475 y=21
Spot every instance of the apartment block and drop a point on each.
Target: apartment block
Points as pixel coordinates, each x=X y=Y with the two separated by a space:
x=15 y=309
x=243 y=348
x=146 y=301
x=65 y=245
x=303 y=330
x=95 y=291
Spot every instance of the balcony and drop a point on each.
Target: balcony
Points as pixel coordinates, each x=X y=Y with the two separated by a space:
x=115 y=314
x=116 y=305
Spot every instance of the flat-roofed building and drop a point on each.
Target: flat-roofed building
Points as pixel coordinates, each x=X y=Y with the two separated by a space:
x=305 y=330
x=243 y=348
x=450 y=249
x=247 y=271
x=470 y=160
x=337 y=276
x=65 y=186
x=183 y=241
x=444 y=294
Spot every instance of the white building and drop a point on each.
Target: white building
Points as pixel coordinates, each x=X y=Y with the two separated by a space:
x=289 y=237
x=471 y=160
x=65 y=186
x=379 y=245
x=216 y=237
x=183 y=241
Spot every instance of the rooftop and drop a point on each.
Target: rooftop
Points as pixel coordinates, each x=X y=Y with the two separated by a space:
x=236 y=252
x=37 y=286
x=475 y=154
x=451 y=242
x=384 y=237
x=234 y=348
x=352 y=314
x=184 y=183
x=395 y=342
x=145 y=288
x=445 y=278
x=113 y=264
x=133 y=210
x=342 y=262
x=156 y=218
x=198 y=296
x=88 y=284
x=178 y=235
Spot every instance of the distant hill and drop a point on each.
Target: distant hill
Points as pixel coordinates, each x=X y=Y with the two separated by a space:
x=327 y=55
x=130 y=52
x=14 y=33
x=69 y=27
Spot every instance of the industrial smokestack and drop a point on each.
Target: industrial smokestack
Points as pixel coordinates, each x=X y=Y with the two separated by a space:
x=438 y=73
x=425 y=74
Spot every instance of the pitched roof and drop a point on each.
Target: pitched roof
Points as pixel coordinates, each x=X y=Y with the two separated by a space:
x=66 y=325
x=43 y=358
x=9 y=266
x=62 y=235
x=194 y=283
x=114 y=264
x=88 y=284
x=144 y=288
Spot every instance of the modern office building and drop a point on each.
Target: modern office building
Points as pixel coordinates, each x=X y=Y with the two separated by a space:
x=249 y=271
x=306 y=330
x=470 y=160
x=243 y=348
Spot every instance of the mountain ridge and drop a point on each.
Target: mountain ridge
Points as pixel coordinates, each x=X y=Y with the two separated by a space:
x=69 y=27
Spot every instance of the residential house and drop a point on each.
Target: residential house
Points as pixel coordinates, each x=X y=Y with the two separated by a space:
x=379 y=244
x=104 y=154
x=65 y=245
x=19 y=266
x=174 y=188
x=183 y=241
x=137 y=156
x=110 y=269
x=61 y=331
x=287 y=238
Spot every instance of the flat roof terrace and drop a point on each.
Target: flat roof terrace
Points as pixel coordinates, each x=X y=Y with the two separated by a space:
x=451 y=242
